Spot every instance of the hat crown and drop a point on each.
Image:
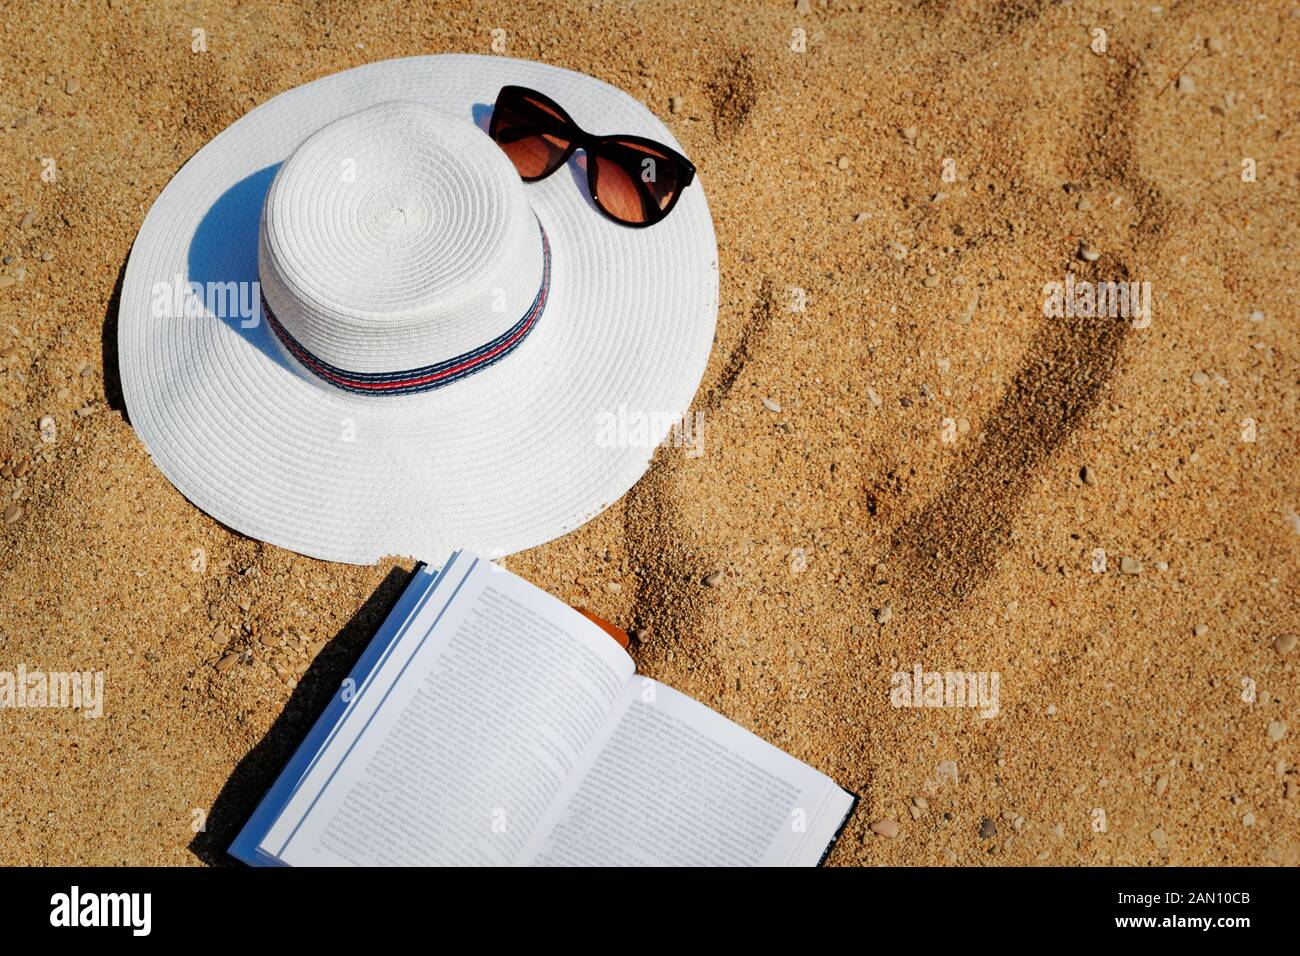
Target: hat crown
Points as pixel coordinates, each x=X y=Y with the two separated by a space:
x=397 y=238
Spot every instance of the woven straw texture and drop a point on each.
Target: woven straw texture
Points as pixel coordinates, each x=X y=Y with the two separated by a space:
x=431 y=249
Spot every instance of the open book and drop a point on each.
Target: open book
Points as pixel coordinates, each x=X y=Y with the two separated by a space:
x=490 y=723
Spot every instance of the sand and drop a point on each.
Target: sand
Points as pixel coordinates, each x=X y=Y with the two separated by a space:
x=926 y=457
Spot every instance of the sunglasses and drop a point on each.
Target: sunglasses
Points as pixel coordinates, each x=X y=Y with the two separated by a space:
x=634 y=180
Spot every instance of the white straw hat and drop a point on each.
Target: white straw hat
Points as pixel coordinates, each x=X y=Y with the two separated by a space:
x=349 y=328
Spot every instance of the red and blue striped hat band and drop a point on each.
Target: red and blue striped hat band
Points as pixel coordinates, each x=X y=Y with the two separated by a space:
x=428 y=377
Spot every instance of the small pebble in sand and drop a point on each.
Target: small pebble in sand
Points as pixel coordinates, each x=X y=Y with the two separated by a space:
x=860 y=218
x=1200 y=630
x=1284 y=644
x=47 y=255
x=771 y=406
x=930 y=281
x=1084 y=204
x=49 y=430
x=713 y=579
x=874 y=397
x=842 y=162
x=1186 y=84
x=1215 y=44
x=910 y=133
x=1291 y=790
x=1058 y=831
x=6 y=281
x=1088 y=476
x=227 y=661
x=270 y=640
x=920 y=802
x=1248 y=819
x=28 y=220
x=803 y=7
x=1276 y=730
x=614 y=587
x=640 y=634
x=886 y=828
x=1200 y=378
x=72 y=85
x=1158 y=838
x=1051 y=710
x=13 y=513
x=1088 y=252
x=1257 y=316
x=884 y=614
x=1162 y=784
x=1130 y=565
x=968 y=313
x=988 y=829
x=676 y=103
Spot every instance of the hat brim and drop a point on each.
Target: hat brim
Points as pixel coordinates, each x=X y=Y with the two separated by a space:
x=504 y=460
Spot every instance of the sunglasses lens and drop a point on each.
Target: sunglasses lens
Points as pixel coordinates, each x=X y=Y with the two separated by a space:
x=530 y=132
x=635 y=183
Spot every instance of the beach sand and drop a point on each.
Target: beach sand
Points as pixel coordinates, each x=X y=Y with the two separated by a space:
x=917 y=501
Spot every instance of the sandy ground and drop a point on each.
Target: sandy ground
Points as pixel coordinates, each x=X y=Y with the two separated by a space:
x=927 y=455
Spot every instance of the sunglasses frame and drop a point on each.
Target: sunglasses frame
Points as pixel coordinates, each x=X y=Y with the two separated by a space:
x=590 y=143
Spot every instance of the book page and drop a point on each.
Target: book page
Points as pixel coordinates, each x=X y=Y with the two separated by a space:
x=458 y=745
x=673 y=783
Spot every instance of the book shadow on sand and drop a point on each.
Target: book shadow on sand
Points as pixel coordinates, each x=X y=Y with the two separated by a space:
x=259 y=768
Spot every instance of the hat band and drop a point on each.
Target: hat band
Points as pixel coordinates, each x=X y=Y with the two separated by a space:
x=427 y=377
